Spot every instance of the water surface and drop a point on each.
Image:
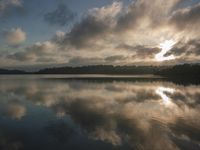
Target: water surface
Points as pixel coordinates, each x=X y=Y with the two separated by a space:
x=54 y=112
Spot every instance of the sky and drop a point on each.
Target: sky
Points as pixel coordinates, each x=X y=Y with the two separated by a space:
x=91 y=32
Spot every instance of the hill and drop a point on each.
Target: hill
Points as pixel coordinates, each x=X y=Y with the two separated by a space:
x=10 y=72
x=100 y=69
x=178 y=71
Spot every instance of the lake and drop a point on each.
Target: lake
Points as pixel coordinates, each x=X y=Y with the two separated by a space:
x=98 y=113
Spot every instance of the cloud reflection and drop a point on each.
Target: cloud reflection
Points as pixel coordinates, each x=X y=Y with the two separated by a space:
x=117 y=113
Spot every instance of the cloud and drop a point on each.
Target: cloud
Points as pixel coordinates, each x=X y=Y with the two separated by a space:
x=86 y=32
x=186 y=49
x=58 y=37
x=61 y=16
x=22 y=56
x=40 y=52
x=33 y=52
x=119 y=33
x=96 y=24
x=81 y=61
x=41 y=47
x=187 y=18
x=14 y=36
x=107 y=13
x=137 y=28
x=139 y=51
x=143 y=13
x=115 y=58
x=114 y=21
x=5 y=4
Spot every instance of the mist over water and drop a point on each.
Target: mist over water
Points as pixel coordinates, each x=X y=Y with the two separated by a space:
x=43 y=113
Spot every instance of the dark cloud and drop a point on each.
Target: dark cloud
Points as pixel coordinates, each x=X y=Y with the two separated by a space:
x=143 y=51
x=86 y=32
x=21 y=56
x=140 y=51
x=192 y=47
x=115 y=58
x=131 y=17
x=35 y=52
x=81 y=61
x=93 y=28
x=187 y=18
x=61 y=16
x=141 y=12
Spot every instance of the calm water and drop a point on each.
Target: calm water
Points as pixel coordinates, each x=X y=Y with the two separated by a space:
x=54 y=113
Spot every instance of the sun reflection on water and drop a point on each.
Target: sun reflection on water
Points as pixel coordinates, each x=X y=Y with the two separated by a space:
x=161 y=91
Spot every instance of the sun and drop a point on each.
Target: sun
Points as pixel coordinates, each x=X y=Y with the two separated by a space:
x=165 y=47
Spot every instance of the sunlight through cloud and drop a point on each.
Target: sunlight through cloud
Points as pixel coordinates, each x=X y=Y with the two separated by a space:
x=165 y=47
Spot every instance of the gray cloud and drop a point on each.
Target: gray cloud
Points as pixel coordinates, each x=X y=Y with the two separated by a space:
x=143 y=11
x=84 y=33
x=139 y=51
x=148 y=52
x=99 y=24
x=131 y=17
x=185 y=49
x=21 y=56
x=110 y=60
x=34 y=52
x=187 y=18
x=81 y=61
x=115 y=58
x=61 y=16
